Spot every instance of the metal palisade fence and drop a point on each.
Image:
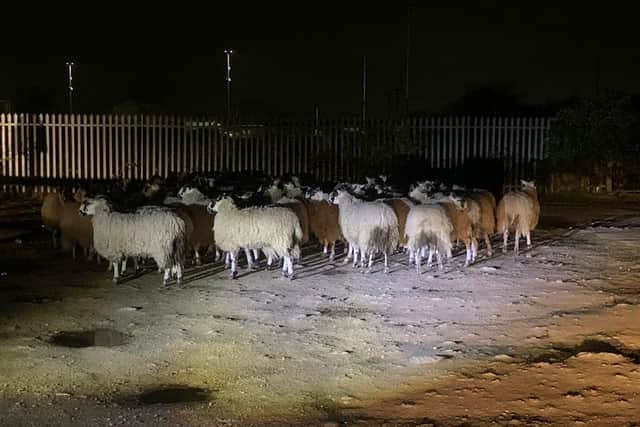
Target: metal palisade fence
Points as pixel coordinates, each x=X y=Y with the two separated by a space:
x=45 y=147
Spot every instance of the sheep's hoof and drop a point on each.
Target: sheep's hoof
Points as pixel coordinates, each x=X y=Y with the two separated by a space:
x=234 y=275
x=179 y=282
x=331 y=259
x=504 y=250
x=368 y=271
x=346 y=261
x=198 y=262
x=115 y=281
x=386 y=270
x=489 y=253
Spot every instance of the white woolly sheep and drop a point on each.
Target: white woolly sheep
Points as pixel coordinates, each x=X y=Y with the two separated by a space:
x=151 y=231
x=428 y=227
x=519 y=211
x=369 y=227
x=276 y=230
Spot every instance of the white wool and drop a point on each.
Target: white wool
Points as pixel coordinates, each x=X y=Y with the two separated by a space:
x=320 y=196
x=428 y=226
x=371 y=227
x=257 y=227
x=153 y=232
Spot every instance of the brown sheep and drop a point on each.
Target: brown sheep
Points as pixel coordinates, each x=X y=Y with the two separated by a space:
x=458 y=214
x=324 y=224
x=75 y=229
x=51 y=212
x=401 y=208
x=485 y=226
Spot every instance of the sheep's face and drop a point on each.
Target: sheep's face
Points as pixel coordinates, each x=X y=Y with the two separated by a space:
x=150 y=189
x=80 y=195
x=90 y=207
x=459 y=202
x=358 y=188
x=185 y=190
x=383 y=178
x=221 y=203
x=319 y=195
x=528 y=185
x=341 y=197
x=370 y=181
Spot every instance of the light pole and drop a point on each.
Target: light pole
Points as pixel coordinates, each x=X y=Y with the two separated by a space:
x=228 y=52
x=70 y=66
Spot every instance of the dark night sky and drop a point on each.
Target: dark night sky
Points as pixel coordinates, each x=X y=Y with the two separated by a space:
x=290 y=58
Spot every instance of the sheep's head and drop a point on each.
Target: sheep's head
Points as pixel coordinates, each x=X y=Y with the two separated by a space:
x=220 y=203
x=341 y=197
x=383 y=178
x=80 y=195
x=458 y=201
x=318 y=195
x=358 y=188
x=274 y=192
x=291 y=190
x=370 y=181
x=92 y=206
x=528 y=185
x=150 y=189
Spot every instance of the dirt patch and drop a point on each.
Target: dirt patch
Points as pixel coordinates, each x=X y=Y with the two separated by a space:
x=93 y=338
x=561 y=353
x=174 y=395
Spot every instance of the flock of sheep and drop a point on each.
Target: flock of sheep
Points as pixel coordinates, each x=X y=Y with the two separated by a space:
x=279 y=215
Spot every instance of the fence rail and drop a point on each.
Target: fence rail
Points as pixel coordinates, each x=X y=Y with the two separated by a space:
x=89 y=146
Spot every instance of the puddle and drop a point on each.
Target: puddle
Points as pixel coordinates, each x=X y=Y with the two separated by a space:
x=174 y=394
x=93 y=338
x=35 y=299
x=560 y=354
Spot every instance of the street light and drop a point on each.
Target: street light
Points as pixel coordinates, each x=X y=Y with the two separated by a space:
x=228 y=53
x=70 y=66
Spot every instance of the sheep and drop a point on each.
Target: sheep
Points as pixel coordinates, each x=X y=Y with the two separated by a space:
x=519 y=211
x=199 y=229
x=458 y=214
x=300 y=209
x=51 y=212
x=151 y=231
x=75 y=229
x=428 y=227
x=485 y=226
x=369 y=227
x=324 y=222
x=401 y=207
x=192 y=196
x=275 y=229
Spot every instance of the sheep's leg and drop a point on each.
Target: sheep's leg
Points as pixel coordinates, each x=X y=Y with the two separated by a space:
x=249 y=259
x=234 y=266
x=419 y=261
x=227 y=260
x=256 y=254
x=516 y=244
x=116 y=275
x=430 y=258
x=166 y=277
x=325 y=249
x=467 y=258
x=505 y=237
x=285 y=265
x=196 y=255
x=218 y=254
x=332 y=254
x=370 y=262
x=73 y=251
x=178 y=274
x=355 y=256
x=488 y=242
x=136 y=264
x=386 y=263
x=439 y=258
x=474 y=249
x=348 y=249
x=411 y=256
x=269 y=262
x=124 y=265
x=287 y=269
x=528 y=234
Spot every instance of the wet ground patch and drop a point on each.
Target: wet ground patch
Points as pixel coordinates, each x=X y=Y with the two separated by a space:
x=562 y=353
x=91 y=338
x=175 y=394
